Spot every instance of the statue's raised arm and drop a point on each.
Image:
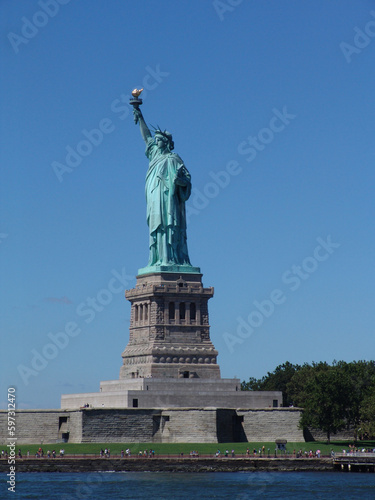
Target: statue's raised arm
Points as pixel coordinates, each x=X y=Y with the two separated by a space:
x=138 y=118
x=136 y=101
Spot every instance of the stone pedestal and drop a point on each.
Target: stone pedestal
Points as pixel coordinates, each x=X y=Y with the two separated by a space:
x=170 y=361
x=169 y=328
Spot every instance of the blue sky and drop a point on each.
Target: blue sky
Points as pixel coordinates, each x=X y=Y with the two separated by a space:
x=279 y=95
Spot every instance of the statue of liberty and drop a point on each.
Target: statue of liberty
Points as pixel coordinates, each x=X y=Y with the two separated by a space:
x=168 y=187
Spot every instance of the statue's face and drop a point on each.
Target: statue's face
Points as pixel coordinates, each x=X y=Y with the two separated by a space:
x=161 y=142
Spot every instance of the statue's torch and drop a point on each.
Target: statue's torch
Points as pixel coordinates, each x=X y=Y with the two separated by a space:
x=136 y=101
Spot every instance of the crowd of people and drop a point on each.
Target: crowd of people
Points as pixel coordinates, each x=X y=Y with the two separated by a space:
x=38 y=454
x=256 y=453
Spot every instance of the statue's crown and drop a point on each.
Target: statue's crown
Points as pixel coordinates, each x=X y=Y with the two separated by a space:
x=166 y=134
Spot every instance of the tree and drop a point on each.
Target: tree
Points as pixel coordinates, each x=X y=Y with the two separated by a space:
x=367 y=414
x=361 y=382
x=252 y=385
x=326 y=400
x=297 y=386
x=275 y=381
x=332 y=397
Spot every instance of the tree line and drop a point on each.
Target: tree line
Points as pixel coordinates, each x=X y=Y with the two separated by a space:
x=333 y=397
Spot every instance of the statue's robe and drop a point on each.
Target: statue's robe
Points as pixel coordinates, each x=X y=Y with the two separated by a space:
x=166 y=214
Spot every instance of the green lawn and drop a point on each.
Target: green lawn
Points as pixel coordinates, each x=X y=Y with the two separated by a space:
x=185 y=448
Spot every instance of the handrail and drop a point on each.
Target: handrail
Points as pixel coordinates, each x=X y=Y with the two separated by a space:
x=361 y=454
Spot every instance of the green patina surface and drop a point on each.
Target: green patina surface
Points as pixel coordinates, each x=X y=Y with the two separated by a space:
x=172 y=268
x=168 y=187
